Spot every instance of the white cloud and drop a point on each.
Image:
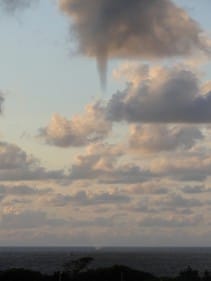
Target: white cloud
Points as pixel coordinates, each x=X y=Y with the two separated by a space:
x=81 y=130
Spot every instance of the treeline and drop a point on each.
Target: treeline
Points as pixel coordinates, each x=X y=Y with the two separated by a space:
x=78 y=271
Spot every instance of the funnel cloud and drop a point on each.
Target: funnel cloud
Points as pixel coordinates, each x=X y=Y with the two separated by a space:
x=1 y=101
x=131 y=29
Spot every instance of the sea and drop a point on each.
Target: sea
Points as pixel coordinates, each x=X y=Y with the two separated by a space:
x=159 y=261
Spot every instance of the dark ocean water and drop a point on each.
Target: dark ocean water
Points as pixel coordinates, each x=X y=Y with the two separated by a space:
x=160 y=261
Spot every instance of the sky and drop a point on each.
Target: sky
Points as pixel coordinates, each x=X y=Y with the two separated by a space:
x=105 y=123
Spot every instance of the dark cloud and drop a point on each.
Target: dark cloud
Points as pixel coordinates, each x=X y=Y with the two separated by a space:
x=170 y=96
x=131 y=29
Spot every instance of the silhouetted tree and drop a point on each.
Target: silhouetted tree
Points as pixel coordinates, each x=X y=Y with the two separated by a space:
x=74 y=267
x=189 y=275
x=206 y=276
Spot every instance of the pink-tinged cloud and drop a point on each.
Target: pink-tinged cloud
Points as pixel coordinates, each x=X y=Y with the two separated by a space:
x=81 y=130
x=151 y=138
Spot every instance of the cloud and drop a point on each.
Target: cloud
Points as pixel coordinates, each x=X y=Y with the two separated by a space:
x=21 y=194
x=16 y=165
x=82 y=198
x=25 y=190
x=167 y=95
x=186 y=168
x=133 y=72
x=151 y=138
x=13 y=5
x=170 y=204
x=151 y=187
x=196 y=189
x=175 y=201
x=100 y=163
x=1 y=101
x=173 y=221
x=28 y=219
x=81 y=130
x=131 y=29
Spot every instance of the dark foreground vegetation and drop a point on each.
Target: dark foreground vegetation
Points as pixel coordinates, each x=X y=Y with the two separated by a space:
x=78 y=270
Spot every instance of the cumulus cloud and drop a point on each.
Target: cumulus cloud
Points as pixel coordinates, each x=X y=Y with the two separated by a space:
x=167 y=95
x=100 y=163
x=131 y=29
x=151 y=138
x=82 y=129
x=17 y=165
